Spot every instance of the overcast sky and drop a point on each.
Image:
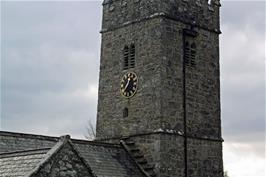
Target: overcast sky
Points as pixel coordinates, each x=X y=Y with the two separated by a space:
x=50 y=63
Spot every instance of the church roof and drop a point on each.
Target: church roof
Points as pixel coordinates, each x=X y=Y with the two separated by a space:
x=20 y=163
x=20 y=154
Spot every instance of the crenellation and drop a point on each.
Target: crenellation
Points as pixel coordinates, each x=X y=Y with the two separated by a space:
x=197 y=2
x=201 y=13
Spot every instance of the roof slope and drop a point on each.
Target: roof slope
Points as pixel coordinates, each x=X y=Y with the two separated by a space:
x=11 y=142
x=61 y=161
x=105 y=160
x=19 y=164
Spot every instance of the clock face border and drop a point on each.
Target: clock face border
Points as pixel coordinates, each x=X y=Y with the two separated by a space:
x=137 y=80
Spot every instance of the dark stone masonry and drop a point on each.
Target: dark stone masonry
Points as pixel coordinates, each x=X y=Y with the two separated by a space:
x=158 y=104
x=174 y=117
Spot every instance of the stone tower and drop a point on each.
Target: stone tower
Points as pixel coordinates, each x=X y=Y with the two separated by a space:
x=160 y=83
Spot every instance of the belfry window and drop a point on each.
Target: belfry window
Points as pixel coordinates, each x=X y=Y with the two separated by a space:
x=126 y=58
x=190 y=52
x=132 y=56
x=129 y=57
x=193 y=53
x=190 y=47
x=186 y=52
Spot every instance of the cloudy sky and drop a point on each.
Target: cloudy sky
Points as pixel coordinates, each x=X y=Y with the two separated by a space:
x=50 y=63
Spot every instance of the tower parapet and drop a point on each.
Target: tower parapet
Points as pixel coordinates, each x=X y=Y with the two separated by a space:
x=201 y=13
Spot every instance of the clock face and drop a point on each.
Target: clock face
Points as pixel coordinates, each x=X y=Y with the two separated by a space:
x=129 y=85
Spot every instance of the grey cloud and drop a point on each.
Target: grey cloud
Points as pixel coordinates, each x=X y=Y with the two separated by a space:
x=50 y=52
x=242 y=13
x=243 y=75
x=58 y=22
x=51 y=114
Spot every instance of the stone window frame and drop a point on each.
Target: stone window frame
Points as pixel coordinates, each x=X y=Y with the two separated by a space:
x=132 y=56
x=190 y=48
x=129 y=56
x=190 y=53
x=126 y=57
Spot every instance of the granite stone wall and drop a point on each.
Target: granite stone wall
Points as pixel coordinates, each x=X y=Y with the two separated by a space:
x=158 y=103
x=205 y=158
x=203 y=88
x=156 y=27
x=145 y=107
x=117 y=13
x=65 y=163
x=165 y=152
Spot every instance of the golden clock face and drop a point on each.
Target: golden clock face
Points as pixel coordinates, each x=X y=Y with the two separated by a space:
x=129 y=85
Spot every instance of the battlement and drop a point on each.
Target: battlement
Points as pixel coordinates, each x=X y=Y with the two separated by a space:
x=200 y=13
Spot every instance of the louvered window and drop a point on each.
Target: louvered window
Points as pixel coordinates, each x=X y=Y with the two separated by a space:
x=126 y=58
x=129 y=57
x=132 y=56
x=190 y=52
x=193 y=54
x=186 y=53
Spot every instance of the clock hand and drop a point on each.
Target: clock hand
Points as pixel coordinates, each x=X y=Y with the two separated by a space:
x=127 y=83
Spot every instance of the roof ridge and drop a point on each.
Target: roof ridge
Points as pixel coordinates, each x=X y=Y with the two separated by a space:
x=27 y=150
x=24 y=153
x=28 y=135
x=56 y=139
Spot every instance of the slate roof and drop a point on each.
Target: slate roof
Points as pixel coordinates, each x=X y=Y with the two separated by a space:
x=105 y=160
x=21 y=163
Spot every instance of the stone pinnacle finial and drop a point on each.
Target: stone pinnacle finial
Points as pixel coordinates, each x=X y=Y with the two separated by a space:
x=65 y=138
x=216 y=3
x=107 y=1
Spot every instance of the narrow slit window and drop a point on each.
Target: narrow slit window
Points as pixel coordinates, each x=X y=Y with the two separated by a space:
x=132 y=56
x=126 y=58
x=125 y=112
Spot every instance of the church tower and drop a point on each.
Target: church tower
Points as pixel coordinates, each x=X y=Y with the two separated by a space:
x=160 y=83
